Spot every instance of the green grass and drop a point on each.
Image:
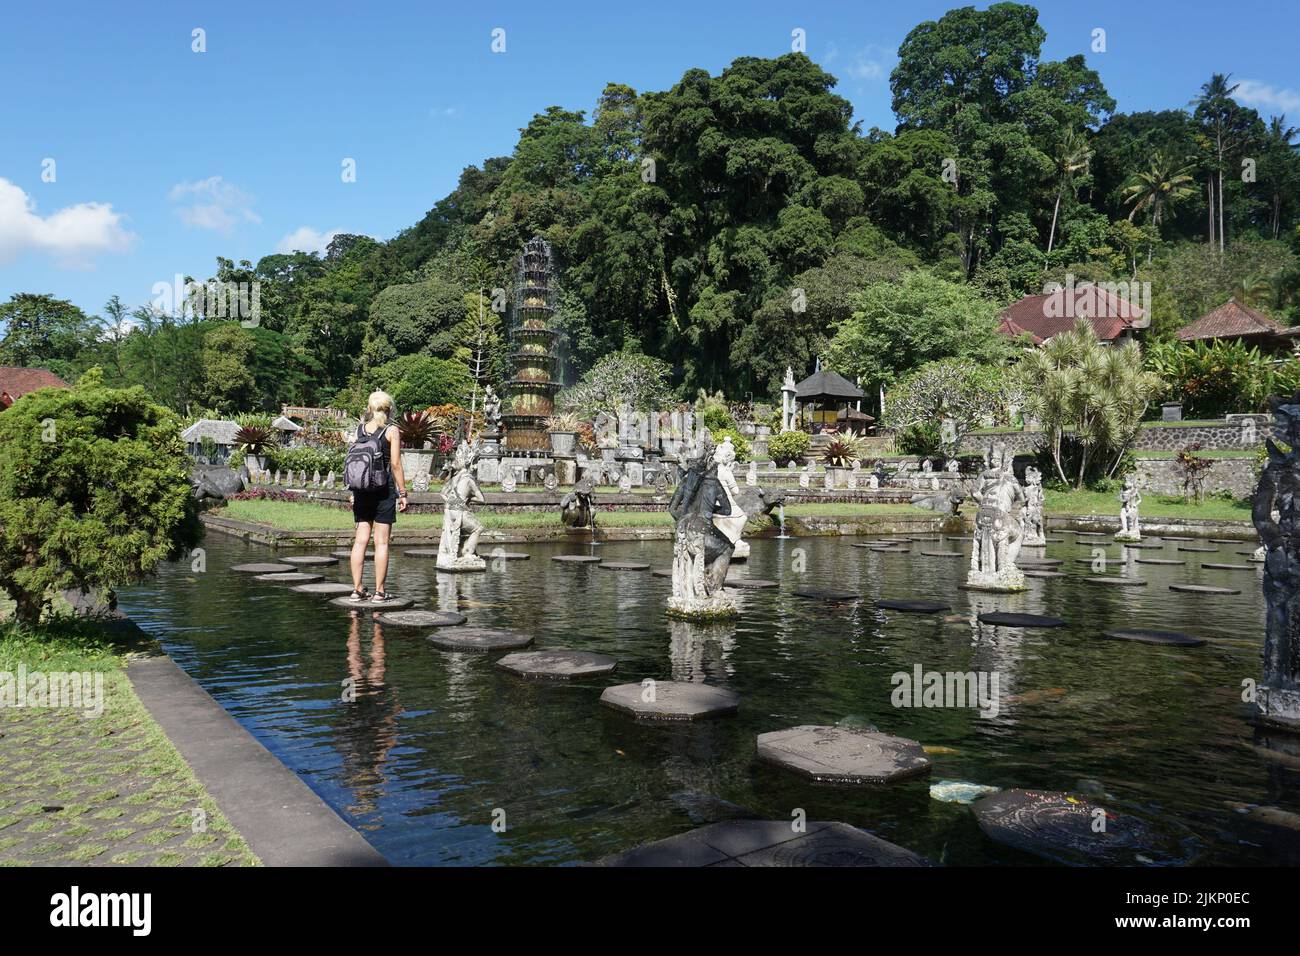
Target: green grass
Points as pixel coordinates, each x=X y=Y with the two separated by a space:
x=1153 y=506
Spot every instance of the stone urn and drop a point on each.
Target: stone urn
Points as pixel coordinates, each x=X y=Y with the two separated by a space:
x=417 y=463
x=837 y=477
x=563 y=443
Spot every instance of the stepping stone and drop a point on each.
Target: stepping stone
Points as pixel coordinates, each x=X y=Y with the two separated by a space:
x=557 y=664
x=479 y=639
x=326 y=587
x=1228 y=567
x=624 y=566
x=1053 y=540
x=261 y=568
x=1090 y=534
x=1165 y=561
x=919 y=607
x=1140 y=545
x=875 y=549
x=422 y=618
x=1202 y=589
x=1199 y=550
x=826 y=594
x=843 y=754
x=397 y=604
x=303 y=560
x=576 y=558
x=1108 y=558
x=755 y=583
x=506 y=555
x=671 y=700
x=290 y=577
x=942 y=554
x=1041 y=573
x=662 y=572
x=345 y=555
x=1174 y=638
x=421 y=552
x=1224 y=540
x=1039 y=562
x=1117 y=581
x=1009 y=619
x=1094 y=543
x=768 y=843
x=1176 y=537
x=927 y=540
x=1060 y=827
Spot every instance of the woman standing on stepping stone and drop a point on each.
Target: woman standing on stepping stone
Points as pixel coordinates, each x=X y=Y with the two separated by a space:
x=375 y=505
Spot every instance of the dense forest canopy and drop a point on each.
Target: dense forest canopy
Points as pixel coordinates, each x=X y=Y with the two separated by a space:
x=736 y=224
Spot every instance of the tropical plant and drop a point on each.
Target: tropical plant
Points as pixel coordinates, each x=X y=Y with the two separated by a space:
x=738 y=441
x=845 y=451
x=1161 y=186
x=713 y=412
x=619 y=380
x=1072 y=156
x=1216 y=378
x=954 y=390
x=1089 y=399
x=306 y=459
x=1193 y=468
x=255 y=439
x=416 y=429
x=564 y=422
x=789 y=446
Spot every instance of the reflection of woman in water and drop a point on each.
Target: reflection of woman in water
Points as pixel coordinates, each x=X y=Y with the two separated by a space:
x=368 y=730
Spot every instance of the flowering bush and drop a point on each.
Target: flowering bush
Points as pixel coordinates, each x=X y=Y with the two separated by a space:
x=265 y=494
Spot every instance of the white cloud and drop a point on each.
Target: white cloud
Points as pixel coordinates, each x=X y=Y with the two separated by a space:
x=213 y=204
x=306 y=239
x=872 y=62
x=72 y=236
x=447 y=112
x=1268 y=98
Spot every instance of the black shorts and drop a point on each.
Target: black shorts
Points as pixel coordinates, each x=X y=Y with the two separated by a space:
x=376 y=507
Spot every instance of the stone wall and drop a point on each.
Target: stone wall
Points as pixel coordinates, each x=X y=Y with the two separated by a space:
x=1162 y=476
x=1237 y=432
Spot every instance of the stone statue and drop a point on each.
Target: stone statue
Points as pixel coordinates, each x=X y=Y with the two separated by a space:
x=927 y=466
x=1032 y=516
x=998 y=528
x=751 y=474
x=1129 y=499
x=578 y=508
x=709 y=521
x=508 y=480
x=460 y=529
x=1276 y=515
x=491 y=410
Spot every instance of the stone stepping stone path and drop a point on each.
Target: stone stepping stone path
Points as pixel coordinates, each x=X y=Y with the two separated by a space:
x=942 y=554
x=1202 y=589
x=326 y=587
x=1224 y=540
x=263 y=567
x=1176 y=537
x=1060 y=827
x=1090 y=534
x=495 y=555
x=1108 y=558
x=918 y=607
x=397 y=604
x=671 y=700
x=290 y=577
x=1140 y=545
x=1198 y=550
x=421 y=552
x=768 y=843
x=345 y=555
x=1228 y=567
x=926 y=540
x=1095 y=543
x=1039 y=562
x=1011 y=619
x=479 y=639
x=1172 y=638
x=826 y=594
x=1116 y=581
x=849 y=755
x=890 y=550
x=307 y=560
x=422 y=618
x=662 y=572
x=576 y=558
x=557 y=664
x=1165 y=561
x=752 y=583
x=1041 y=573
x=624 y=566
x=1053 y=540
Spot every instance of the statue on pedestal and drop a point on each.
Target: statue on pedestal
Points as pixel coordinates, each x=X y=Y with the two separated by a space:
x=1032 y=516
x=1129 y=499
x=460 y=529
x=491 y=411
x=578 y=509
x=1276 y=515
x=709 y=521
x=998 y=527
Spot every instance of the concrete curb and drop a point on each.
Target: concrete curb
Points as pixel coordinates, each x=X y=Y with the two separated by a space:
x=283 y=820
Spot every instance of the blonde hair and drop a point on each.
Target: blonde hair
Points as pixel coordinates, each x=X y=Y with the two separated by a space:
x=378 y=407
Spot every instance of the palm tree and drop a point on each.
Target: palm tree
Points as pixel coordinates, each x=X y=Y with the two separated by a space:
x=1159 y=187
x=1219 y=114
x=1072 y=157
x=1279 y=147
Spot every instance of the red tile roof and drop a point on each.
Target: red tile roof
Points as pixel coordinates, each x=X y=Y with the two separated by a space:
x=1232 y=320
x=15 y=382
x=1043 y=316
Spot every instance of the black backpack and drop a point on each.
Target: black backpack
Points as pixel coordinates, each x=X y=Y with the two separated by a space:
x=366 y=466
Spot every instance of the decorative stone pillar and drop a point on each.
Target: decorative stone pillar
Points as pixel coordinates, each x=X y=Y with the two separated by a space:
x=788 y=392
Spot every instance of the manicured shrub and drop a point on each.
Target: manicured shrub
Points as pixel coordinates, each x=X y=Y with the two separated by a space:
x=788 y=446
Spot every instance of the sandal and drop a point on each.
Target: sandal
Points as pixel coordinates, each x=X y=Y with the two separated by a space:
x=382 y=597
x=357 y=596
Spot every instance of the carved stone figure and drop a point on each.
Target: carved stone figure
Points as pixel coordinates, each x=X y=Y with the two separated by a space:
x=1129 y=499
x=1276 y=515
x=460 y=529
x=751 y=474
x=508 y=480
x=578 y=509
x=706 y=508
x=998 y=529
x=1032 y=516
x=491 y=411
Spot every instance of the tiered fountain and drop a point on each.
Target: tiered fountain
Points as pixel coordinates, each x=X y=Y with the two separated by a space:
x=532 y=388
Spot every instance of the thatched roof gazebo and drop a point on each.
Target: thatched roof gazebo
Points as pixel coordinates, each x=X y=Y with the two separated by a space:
x=833 y=399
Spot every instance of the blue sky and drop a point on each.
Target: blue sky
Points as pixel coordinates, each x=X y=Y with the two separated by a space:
x=165 y=158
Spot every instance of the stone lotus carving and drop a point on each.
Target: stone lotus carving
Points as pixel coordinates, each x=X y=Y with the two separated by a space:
x=1129 y=499
x=998 y=528
x=1276 y=515
x=706 y=508
x=460 y=529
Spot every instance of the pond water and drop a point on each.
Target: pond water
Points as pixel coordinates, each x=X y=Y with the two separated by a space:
x=435 y=742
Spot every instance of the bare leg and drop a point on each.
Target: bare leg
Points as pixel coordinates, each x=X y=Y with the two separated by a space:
x=359 y=552
x=475 y=529
x=382 y=531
